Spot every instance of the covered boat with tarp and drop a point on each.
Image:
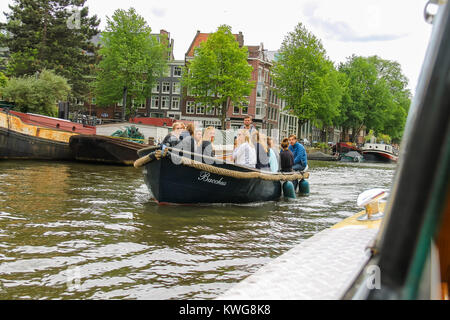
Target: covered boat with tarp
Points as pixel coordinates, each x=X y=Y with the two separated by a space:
x=176 y=177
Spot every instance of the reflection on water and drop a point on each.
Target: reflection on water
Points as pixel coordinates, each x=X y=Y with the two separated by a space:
x=78 y=231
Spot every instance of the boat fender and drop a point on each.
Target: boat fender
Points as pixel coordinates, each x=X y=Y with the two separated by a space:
x=303 y=187
x=289 y=190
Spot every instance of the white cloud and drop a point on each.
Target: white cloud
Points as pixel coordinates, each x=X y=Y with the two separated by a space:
x=368 y=30
x=159 y=12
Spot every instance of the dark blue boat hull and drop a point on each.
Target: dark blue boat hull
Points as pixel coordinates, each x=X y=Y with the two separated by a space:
x=179 y=184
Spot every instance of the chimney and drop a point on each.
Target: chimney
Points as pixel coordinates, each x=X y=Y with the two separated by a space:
x=240 y=39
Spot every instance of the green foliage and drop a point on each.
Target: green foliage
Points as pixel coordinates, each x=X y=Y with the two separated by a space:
x=37 y=94
x=375 y=96
x=370 y=136
x=322 y=146
x=219 y=73
x=3 y=80
x=306 y=79
x=400 y=99
x=384 y=138
x=131 y=58
x=45 y=34
x=381 y=138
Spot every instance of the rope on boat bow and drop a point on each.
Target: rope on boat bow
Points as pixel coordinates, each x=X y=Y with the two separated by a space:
x=158 y=154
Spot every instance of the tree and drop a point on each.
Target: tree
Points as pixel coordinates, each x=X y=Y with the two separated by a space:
x=395 y=116
x=326 y=95
x=362 y=108
x=3 y=80
x=37 y=94
x=45 y=34
x=376 y=96
x=306 y=79
x=219 y=75
x=131 y=60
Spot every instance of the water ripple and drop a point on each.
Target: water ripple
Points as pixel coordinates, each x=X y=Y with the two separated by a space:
x=77 y=231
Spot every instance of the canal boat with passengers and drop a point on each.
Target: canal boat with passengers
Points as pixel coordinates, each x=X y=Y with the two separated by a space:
x=180 y=177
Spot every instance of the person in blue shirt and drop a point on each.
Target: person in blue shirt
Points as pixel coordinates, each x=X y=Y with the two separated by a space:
x=299 y=152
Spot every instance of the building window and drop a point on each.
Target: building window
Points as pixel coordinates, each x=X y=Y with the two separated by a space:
x=244 y=109
x=258 y=109
x=165 y=102
x=166 y=72
x=236 y=110
x=155 y=88
x=190 y=107
x=155 y=103
x=175 y=103
x=140 y=104
x=200 y=109
x=166 y=87
x=259 y=90
x=210 y=111
x=176 y=88
x=177 y=71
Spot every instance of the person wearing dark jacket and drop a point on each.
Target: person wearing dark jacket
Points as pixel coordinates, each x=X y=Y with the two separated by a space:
x=286 y=157
x=262 y=157
x=173 y=138
x=206 y=148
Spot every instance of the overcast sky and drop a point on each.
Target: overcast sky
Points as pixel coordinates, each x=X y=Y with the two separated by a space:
x=391 y=29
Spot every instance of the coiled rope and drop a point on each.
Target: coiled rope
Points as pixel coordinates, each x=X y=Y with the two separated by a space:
x=158 y=155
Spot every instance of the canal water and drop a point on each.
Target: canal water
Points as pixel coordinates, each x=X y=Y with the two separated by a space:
x=79 y=231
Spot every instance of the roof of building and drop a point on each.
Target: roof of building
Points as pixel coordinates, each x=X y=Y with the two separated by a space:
x=202 y=37
x=159 y=122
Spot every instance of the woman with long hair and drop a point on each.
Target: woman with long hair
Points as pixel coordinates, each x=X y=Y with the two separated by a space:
x=206 y=147
x=262 y=158
x=274 y=157
x=245 y=153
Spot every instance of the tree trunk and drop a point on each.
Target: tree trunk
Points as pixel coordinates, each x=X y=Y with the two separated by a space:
x=224 y=114
x=124 y=102
x=44 y=35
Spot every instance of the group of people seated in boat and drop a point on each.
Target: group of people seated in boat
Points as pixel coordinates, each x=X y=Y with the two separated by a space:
x=251 y=147
x=188 y=139
x=256 y=150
